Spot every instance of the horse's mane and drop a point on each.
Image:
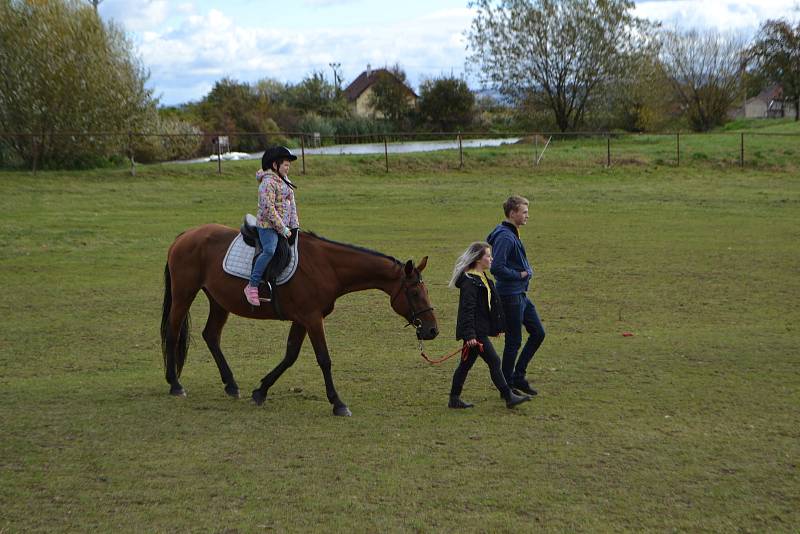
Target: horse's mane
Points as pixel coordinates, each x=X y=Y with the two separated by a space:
x=354 y=247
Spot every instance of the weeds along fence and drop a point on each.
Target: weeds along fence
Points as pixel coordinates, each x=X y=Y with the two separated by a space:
x=537 y=149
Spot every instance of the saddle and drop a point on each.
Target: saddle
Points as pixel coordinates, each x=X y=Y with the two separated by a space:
x=278 y=263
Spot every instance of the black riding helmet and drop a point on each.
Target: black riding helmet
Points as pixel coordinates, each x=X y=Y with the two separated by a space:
x=274 y=153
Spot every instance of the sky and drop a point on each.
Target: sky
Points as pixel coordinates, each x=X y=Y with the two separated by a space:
x=188 y=45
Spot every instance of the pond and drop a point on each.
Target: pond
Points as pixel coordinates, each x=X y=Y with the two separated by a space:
x=372 y=148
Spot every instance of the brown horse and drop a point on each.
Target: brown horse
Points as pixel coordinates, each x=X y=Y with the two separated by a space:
x=326 y=271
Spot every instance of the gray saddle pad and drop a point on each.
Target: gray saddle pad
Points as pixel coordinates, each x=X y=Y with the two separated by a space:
x=238 y=261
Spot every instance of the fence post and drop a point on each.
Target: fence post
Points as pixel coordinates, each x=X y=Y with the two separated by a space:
x=741 y=155
x=219 y=156
x=303 y=151
x=608 y=157
x=678 y=147
x=386 y=152
x=33 y=153
x=130 y=153
x=460 y=153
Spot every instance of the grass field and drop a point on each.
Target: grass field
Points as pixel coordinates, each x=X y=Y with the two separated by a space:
x=691 y=424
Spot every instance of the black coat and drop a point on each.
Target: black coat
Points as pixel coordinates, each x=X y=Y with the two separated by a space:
x=475 y=318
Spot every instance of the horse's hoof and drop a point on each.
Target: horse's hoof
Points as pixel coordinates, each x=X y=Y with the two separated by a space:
x=259 y=397
x=232 y=391
x=177 y=392
x=342 y=411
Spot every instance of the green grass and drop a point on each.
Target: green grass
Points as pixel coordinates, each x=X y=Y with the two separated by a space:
x=689 y=425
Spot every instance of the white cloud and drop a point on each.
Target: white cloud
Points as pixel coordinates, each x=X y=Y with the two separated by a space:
x=212 y=45
x=723 y=15
x=137 y=16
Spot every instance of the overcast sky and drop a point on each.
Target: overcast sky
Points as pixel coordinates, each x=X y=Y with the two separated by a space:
x=188 y=45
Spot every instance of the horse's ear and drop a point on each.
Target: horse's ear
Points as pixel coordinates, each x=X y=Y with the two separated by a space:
x=409 y=268
x=422 y=264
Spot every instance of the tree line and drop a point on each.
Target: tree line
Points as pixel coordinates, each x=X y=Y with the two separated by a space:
x=592 y=62
x=556 y=64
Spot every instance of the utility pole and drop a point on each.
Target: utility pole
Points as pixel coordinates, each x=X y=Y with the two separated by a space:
x=335 y=67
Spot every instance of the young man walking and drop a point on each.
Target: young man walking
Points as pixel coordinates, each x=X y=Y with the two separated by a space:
x=513 y=274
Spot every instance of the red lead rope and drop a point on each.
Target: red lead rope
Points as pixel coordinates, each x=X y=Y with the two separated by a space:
x=464 y=350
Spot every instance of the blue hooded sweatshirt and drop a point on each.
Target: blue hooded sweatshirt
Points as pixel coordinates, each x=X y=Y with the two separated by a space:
x=509 y=260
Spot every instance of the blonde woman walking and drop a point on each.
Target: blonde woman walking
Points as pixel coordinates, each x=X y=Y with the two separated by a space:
x=480 y=315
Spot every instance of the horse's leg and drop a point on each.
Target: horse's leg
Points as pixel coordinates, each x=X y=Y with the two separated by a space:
x=297 y=334
x=176 y=343
x=316 y=333
x=217 y=316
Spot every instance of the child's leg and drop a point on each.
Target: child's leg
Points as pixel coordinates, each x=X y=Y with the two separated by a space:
x=269 y=242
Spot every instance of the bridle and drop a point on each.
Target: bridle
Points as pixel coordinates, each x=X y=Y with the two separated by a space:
x=414 y=317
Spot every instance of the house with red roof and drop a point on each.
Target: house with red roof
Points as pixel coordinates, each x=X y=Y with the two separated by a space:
x=359 y=92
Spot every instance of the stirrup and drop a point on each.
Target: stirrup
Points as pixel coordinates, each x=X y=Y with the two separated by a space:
x=269 y=288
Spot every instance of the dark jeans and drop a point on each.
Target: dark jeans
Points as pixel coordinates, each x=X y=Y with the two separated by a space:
x=519 y=311
x=491 y=358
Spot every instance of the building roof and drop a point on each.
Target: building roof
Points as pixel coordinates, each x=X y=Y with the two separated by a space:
x=773 y=92
x=366 y=79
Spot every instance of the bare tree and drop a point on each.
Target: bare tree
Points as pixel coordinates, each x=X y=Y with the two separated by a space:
x=705 y=70
x=563 y=50
x=777 y=54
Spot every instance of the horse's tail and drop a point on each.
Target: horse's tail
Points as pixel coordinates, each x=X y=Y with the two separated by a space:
x=182 y=347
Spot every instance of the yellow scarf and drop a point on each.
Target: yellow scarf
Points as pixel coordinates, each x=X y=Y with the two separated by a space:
x=482 y=276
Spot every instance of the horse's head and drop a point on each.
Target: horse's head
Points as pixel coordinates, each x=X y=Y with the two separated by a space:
x=411 y=301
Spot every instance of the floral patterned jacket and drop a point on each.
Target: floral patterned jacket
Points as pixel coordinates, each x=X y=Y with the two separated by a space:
x=276 y=206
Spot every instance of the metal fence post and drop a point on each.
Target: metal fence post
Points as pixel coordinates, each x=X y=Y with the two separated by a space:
x=741 y=155
x=33 y=153
x=130 y=153
x=219 y=156
x=460 y=153
x=386 y=152
x=303 y=151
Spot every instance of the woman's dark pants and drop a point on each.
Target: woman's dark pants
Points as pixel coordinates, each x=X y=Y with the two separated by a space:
x=492 y=360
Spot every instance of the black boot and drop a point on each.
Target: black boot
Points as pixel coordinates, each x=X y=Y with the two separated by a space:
x=456 y=402
x=522 y=385
x=512 y=399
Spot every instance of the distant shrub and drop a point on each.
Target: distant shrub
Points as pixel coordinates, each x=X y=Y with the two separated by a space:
x=169 y=139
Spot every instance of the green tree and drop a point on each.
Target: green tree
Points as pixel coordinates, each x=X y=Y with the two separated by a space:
x=641 y=100
x=560 y=51
x=316 y=95
x=390 y=93
x=777 y=55
x=232 y=107
x=705 y=70
x=62 y=70
x=446 y=102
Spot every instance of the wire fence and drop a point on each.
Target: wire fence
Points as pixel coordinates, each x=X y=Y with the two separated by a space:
x=537 y=149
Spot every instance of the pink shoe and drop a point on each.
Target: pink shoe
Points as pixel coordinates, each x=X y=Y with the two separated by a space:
x=251 y=294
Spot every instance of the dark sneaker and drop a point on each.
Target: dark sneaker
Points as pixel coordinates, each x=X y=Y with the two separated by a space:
x=457 y=403
x=522 y=385
x=513 y=399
